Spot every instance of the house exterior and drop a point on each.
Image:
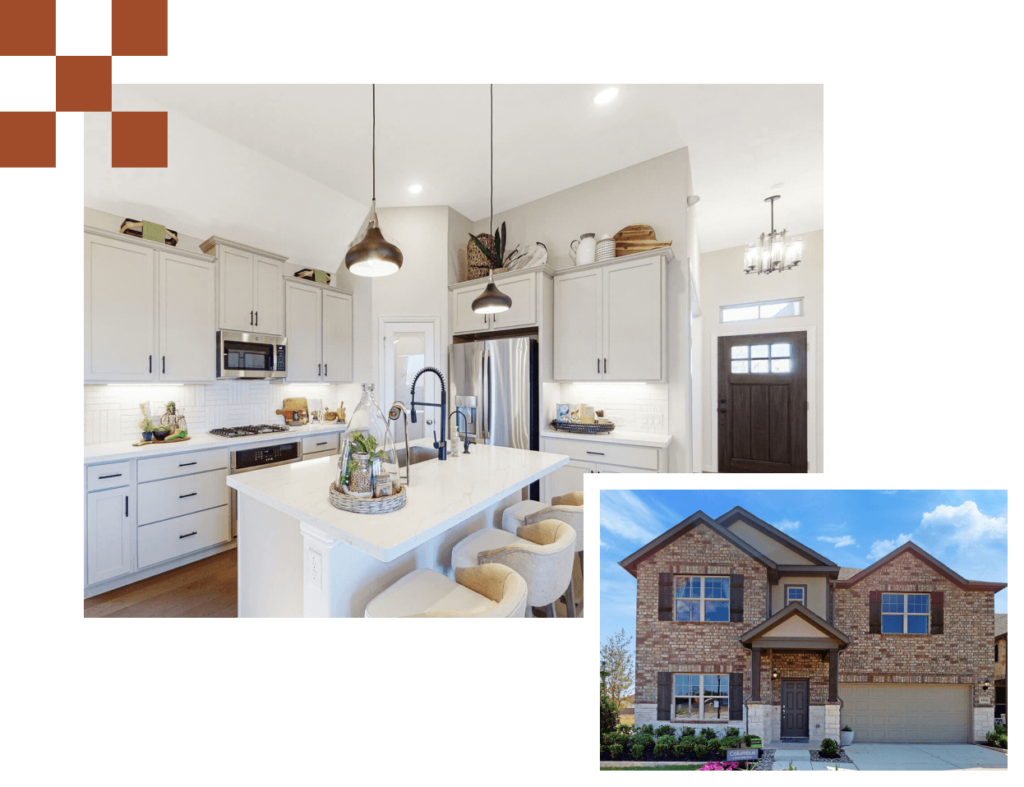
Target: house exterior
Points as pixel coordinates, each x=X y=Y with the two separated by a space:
x=739 y=624
x=1000 y=664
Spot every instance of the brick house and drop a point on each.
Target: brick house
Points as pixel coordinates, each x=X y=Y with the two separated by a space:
x=739 y=624
x=1000 y=664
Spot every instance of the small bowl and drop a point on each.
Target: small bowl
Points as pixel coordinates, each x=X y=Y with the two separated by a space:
x=161 y=434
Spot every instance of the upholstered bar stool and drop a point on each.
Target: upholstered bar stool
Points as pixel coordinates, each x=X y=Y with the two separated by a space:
x=514 y=517
x=541 y=553
x=569 y=509
x=490 y=591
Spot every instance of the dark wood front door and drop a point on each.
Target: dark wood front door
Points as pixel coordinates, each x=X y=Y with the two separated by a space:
x=762 y=403
x=794 y=709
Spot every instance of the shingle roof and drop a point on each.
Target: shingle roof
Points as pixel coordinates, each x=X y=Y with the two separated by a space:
x=846 y=573
x=1001 y=623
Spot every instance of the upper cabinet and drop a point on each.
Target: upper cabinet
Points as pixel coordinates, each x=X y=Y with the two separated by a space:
x=150 y=312
x=610 y=321
x=319 y=330
x=525 y=288
x=249 y=287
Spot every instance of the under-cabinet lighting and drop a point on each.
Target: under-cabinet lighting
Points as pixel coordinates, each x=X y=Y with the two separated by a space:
x=606 y=95
x=415 y=188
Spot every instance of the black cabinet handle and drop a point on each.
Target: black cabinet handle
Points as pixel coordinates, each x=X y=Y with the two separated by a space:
x=126 y=505
x=321 y=443
x=318 y=370
x=163 y=364
x=151 y=364
x=115 y=475
x=325 y=370
x=606 y=366
x=596 y=453
x=186 y=464
x=190 y=494
x=189 y=534
x=257 y=319
x=250 y=317
x=598 y=365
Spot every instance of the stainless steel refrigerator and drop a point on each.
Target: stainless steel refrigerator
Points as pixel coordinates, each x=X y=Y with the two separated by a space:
x=495 y=382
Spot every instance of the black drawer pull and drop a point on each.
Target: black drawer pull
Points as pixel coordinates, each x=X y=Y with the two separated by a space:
x=186 y=464
x=190 y=494
x=126 y=505
x=115 y=475
x=321 y=443
x=596 y=453
x=606 y=366
x=163 y=364
x=194 y=532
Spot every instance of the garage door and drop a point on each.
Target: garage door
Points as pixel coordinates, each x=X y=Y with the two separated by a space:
x=889 y=713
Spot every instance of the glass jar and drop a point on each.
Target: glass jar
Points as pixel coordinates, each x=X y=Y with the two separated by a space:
x=367 y=449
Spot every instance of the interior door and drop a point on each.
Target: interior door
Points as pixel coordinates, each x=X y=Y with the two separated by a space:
x=794 y=709
x=578 y=336
x=304 y=339
x=337 y=337
x=267 y=297
x=632 y=323
x=188 y=318
x=237 y=312
x=407 y=348
x=762 y=403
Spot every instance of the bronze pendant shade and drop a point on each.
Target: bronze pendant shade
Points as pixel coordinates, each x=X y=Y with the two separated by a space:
x=492 y=300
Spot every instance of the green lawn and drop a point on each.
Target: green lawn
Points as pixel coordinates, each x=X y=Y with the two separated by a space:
x=662 y=768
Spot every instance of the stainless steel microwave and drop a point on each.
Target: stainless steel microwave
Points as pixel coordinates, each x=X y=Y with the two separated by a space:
x=251 y=356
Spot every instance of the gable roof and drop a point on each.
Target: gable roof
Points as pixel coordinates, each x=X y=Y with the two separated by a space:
x=1001 y=619
x=786 y=613
x=924 y=557
x=738 y=513
x=700 y=518
x=846 y=573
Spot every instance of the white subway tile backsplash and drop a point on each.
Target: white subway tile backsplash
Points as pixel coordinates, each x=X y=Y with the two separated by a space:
x=634 y=407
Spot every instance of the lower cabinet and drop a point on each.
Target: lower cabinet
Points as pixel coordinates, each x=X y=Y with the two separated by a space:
x=108 y=535
x=587 y=457
x=173 y=538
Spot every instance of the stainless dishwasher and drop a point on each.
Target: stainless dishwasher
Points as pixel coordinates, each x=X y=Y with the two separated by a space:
x=246 y=459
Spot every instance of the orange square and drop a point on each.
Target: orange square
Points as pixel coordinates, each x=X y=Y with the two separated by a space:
x=28 y=27
x=28 y=139
x=139 y=139
x=83 y=83
x=139 y=27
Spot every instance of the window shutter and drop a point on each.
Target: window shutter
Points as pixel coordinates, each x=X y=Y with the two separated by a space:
x=664 y=696
x=875 y=614
x=736 y=598
x=937 y=603
x=735 y=696
x=665 y=597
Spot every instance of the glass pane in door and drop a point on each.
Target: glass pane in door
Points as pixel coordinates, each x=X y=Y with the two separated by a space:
x=408 y=357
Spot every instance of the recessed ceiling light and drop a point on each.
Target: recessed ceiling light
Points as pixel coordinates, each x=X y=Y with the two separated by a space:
x=415 y=188
x=606 y=95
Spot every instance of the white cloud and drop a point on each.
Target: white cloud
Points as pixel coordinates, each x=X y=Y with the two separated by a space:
x=785 y=524
x=880 y=549
x=839 y=541
x=626 y=514
x=888 y=491
x=963 y=525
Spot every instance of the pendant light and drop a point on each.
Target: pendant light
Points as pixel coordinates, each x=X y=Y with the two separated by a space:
x=373 y=256
x=491 y=300
x=773 y=252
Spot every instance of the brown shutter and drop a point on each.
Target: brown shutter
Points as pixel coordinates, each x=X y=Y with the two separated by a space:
x=735 y=696
x=937 y=603
x=664 y=696
x=875 y=614
x=736 y=598
x=665 y=597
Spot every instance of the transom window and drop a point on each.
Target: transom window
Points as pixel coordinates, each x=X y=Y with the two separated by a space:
x=700 y=697
x=702 y=598
x=905 y=613
x=766 y=310
x=761 y=359
x=796 y=594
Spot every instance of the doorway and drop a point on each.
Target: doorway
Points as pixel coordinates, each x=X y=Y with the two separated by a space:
x=795 y=718
x=408 y=345
x=762 y=403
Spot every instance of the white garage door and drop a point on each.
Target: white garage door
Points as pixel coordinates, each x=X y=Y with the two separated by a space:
x=890 y=713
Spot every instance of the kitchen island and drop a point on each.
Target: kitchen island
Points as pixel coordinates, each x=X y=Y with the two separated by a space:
x=300 y=556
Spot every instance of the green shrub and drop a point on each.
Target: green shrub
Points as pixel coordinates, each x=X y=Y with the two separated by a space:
x=1002 y=742
x=636 y=751
x=829 y=748
x=624 y=739
x=700 y=751
x=731 y=742
x=665 y=729
x=1000 y=729
x=609 y=714
x=663 y=750
x=684 y=749
x=847 y=728
x=714 y=746
x=647 y=729
x=604 y=751
x=688 y=732
x=628 y=728
x=747 y=739
x=709 y=733
x=732 y=732
x=647 y=741
x=616 y=751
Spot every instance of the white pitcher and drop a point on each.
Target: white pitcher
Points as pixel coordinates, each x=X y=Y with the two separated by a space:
x=584 y=250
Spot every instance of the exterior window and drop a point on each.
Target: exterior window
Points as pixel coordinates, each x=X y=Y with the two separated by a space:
x=761 y=359
x=796 y=594
x=702 y=598
x=767 y=310
x=905 y=613
x=700 y=697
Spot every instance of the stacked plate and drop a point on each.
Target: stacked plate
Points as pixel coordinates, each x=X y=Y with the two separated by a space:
x=605 y=249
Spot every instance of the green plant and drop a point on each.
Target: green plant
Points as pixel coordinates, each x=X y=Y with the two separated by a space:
x=730 y=742
x=684 y=749
x=1000 y=729
x=146 y=425
x=496 y=255
x=847 y=728
x=709 y=733
x=170 y=407
x=647 y=741
x=688 y=732
x=625 y=728
x=615 y=750
x=747 y=739
x=665 y=729
x=700 y=751
x=829 y=748
x=714 y=746
x=731 y=732
x=647 y=729
x=609 y=714
x=636 y=751
x=663 y=750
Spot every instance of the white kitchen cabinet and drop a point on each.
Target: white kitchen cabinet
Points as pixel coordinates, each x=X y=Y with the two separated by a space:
x=523 y=287
x=318 y=324
x=596 y=455
x=610 y=321
x=188 y=319
x=464 y=319
x=108 y=535
x=250 y=297
x=120 y=310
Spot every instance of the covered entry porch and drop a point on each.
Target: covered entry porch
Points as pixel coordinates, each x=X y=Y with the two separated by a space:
x=794 y=671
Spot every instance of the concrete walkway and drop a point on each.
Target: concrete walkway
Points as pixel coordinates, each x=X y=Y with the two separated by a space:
x=801 y=761
x=920 y=757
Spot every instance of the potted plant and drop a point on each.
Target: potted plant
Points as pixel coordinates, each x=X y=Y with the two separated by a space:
x=846 y=735
x=147 y=429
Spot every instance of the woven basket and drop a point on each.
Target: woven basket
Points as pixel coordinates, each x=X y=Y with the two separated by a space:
x=369 y=505
x=561 y=426
x=477 y=264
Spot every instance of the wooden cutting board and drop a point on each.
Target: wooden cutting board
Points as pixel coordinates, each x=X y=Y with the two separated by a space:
x=637 y=238
x=298 y=404
x=635 y=232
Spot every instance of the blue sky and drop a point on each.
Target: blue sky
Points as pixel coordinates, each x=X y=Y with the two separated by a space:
x=965 y=530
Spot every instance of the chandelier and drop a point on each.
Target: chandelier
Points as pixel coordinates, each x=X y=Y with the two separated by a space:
x=773 y=252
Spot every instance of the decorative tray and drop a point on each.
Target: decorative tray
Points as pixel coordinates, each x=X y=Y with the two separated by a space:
x=367 y=505
x=561 y=426
x=165 y=441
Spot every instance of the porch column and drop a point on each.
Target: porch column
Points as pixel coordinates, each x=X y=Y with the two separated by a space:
x=755 y=674
x=833 y=675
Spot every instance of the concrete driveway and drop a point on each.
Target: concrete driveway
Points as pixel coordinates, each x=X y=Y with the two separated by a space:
x=922 y=757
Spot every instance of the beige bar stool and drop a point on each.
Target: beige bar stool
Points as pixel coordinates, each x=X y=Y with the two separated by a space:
x=514 y=517
x=541 y=553
x=490 y=591
x=569 y=509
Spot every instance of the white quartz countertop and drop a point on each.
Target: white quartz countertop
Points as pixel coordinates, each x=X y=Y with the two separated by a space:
x=619 y=436
x=441 y=495
x=200 y=441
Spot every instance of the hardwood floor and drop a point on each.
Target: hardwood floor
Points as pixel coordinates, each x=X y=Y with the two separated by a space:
x=204 y=589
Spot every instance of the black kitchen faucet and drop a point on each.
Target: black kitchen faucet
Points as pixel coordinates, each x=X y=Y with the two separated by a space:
x=442 y=444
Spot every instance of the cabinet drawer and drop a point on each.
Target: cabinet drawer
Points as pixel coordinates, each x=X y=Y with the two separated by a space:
x=181 y=535
x=108 y=476
x=182 y=464
x=177 y=496
x=314 y=444
x=640 y=456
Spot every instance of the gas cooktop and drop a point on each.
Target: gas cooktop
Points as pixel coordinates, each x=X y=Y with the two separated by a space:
x=246 y=431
